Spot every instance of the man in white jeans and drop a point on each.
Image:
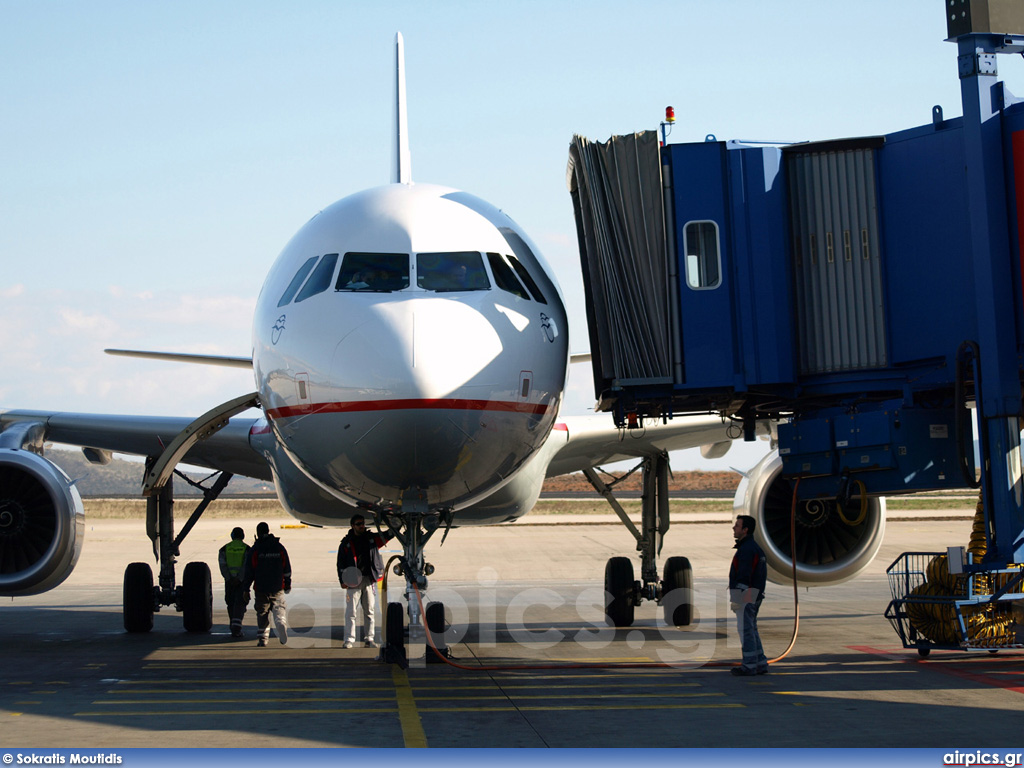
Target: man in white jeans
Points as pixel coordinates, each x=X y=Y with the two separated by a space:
x=360 y=567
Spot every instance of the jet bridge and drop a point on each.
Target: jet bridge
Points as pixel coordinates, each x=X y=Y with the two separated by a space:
x=866 y=292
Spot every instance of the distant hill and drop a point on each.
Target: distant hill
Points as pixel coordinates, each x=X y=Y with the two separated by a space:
x=124 y=478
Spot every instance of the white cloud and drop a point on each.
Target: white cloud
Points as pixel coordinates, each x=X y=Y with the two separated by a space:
x=52 y=342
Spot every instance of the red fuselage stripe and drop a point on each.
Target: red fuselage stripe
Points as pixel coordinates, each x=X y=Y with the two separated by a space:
x=443 y=404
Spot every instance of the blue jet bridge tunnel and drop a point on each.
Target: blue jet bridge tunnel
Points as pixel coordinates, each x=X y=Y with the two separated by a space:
x=866 y=293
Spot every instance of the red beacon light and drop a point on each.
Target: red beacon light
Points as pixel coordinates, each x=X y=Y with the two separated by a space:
x=670 y=120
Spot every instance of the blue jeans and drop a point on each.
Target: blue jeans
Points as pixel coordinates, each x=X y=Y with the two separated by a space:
x=753 y=654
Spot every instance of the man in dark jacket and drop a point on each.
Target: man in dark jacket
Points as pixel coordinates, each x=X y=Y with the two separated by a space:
x=231 y=559
x=269 y=572
x=360 y=567
x=747 y=577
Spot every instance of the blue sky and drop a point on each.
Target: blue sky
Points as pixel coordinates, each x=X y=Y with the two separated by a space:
x=156 y=157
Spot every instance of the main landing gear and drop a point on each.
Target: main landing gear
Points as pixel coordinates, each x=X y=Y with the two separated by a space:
x=674 y=591
x=412 y=527
x=193 y=598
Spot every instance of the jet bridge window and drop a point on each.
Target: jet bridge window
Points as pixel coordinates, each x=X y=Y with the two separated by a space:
x=451 y=271
x=505 y=277
x=293 y=286
x=320 y=280
x=703 y=257
x=373 y=272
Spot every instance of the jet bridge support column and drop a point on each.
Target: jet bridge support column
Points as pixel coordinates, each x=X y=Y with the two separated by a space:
x=997 y=388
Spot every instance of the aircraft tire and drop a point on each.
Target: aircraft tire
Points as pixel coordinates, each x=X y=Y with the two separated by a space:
x=197 y=598
x=436 y=625
x=137 y=597
x=618 y=587
x=678 y=606
x=394 y=629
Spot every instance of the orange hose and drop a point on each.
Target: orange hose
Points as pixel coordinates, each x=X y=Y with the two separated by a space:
x=636 y=664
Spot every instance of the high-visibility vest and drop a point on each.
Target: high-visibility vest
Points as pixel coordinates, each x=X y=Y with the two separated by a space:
x=234 y=556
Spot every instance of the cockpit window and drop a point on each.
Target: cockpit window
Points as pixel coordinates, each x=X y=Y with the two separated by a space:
x=505 y=277
x=522 y=253
x=458 y=271
x=527 y=279
x=293 y=286
x=320 y=280
x=373 y=272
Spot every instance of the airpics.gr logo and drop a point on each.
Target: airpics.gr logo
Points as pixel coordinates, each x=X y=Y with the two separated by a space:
x=277 y=330
x=981 y=758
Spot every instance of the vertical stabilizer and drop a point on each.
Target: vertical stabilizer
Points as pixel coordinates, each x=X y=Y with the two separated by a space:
x=401 y=162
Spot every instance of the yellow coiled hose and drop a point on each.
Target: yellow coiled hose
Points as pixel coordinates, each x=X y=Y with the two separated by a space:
x=989 y=625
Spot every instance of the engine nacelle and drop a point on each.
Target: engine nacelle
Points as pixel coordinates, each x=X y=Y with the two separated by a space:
x=42 y=524
x=832 y=546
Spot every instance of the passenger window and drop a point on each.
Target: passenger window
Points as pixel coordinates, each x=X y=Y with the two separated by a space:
x=455 y=271
x=293 y=286
x=320 y=280
x=373 y=272
x=703 y=260
x=527 y=279
x=505 y=277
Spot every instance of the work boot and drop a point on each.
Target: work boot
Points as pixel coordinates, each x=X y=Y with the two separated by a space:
x=347 y=644
x=282 y=630
x=261 y=643
x=743 y=672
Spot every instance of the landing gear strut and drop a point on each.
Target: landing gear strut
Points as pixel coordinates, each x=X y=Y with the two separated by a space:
x=194 y=597
x=674 y=592
x=412 y=527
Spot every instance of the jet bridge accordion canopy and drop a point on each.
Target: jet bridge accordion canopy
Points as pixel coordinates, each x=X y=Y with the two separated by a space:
x=617 y=198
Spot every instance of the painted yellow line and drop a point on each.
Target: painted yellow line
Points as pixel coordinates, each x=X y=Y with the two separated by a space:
x=546 y=687
x=629 y=696
x=458 y=697
x=245 y=700
x=266 y=687
x=219 y=681
x=210 y=712
x=410 y=736
x=408 y=715
x=580 y=708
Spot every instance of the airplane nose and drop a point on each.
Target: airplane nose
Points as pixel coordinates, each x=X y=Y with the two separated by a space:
x=426 y=349
x=452 y=344
x=416 y=374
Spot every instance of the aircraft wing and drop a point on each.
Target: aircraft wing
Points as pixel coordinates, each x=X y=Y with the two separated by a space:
x=227 y=450
x=594 y=440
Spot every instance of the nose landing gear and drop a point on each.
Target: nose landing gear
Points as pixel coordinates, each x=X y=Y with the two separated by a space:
x=412 y=525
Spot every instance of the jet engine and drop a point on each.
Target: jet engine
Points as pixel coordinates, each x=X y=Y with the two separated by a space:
x=833 y=544
x=42 y=524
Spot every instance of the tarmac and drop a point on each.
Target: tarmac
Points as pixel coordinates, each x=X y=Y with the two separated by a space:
x=534 y=665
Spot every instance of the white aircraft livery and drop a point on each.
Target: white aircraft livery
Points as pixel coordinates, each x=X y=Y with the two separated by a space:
x=410 y=352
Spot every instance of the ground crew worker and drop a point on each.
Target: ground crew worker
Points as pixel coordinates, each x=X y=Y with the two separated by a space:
x=231 y=559
x=360 y=567
x=748 y=575
x=269 y=572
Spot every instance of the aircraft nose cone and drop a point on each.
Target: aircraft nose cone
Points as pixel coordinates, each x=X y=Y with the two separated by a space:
x=452 y=344
x=421 y=349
